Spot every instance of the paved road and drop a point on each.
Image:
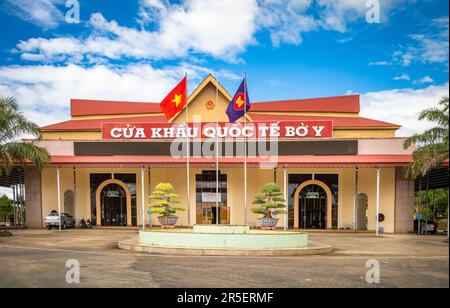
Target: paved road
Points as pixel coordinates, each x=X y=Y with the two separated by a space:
x=37 y=259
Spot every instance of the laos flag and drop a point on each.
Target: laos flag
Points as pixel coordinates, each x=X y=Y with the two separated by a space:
x=240 y=105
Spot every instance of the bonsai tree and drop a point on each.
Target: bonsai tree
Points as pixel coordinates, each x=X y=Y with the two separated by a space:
x=269 y=203
x=165 y=204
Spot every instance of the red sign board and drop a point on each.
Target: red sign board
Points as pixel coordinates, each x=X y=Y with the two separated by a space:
x=171 y=131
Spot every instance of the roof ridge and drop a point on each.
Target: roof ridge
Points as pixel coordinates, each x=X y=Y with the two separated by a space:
x=310 y=98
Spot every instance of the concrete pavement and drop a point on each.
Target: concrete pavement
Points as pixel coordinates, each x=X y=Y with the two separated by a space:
x=37 y=258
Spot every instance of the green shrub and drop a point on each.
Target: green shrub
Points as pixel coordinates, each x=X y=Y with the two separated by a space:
x=165 y=201
x=270 y=203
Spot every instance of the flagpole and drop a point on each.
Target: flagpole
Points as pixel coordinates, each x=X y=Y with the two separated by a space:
x=245 y=151
x=188 y=164
x=217 y=151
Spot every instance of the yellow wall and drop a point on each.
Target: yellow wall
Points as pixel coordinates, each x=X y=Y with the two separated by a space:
x=363 y=133
x=235 y=178
x=49 y=189
x=256 y=179
x=83 y=199
x=197 y=107
x=72 y=135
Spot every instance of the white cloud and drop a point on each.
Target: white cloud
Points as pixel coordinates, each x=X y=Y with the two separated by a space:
x=44 y=91
x=222 y=29
x=404 y=58
x=433 y=47
x=379 y=63
x=424 y=80
x=286 y=20
x=6 y=191
x=403 y=106
x=402 y=77
x=43 y=13
x=338 y=14
x=429 y=47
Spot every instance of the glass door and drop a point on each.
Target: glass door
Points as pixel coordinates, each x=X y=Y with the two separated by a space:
x=313 y=208
x=212 y=207
x=114 y=206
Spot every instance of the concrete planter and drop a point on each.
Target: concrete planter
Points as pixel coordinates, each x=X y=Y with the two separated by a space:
x=268 y=223
x=168 y=222
x=254 y=240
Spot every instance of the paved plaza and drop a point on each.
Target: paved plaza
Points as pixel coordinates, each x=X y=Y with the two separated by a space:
x=37 y=258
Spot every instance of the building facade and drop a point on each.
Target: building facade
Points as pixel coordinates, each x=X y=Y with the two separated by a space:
x=333 y=182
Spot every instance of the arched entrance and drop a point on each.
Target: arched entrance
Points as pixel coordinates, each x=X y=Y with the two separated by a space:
x=113 y=204
x=313 y=206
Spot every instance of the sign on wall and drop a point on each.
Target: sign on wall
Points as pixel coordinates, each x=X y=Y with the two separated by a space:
x=211 y=198
x=112 y=194
x=202 y=131
x=313 y=195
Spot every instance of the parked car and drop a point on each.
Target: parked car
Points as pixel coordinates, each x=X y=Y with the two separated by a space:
x=431 y=228
x=67 y=221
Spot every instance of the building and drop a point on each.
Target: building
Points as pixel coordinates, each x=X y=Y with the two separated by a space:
x=330 y=182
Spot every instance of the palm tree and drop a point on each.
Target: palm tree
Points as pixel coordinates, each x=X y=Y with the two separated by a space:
x=14 y=126
x=432 y=145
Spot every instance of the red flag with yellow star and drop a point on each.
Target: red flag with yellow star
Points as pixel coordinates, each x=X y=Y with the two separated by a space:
x=175 y=102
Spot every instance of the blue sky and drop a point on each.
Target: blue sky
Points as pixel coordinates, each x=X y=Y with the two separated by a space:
x=138 y=49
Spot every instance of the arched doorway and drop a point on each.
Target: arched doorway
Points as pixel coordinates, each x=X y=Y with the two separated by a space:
x=113 y=204
x=313 y=206
x=362 y=210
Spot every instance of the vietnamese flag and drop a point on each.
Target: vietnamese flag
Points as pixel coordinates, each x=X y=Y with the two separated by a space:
x=175 y=102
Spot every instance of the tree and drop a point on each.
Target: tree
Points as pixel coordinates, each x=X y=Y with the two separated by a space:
x=432 y=145
x=13 y=126
x=6 y=208
x=166 y=201
x=437 y=203
x=269 y=203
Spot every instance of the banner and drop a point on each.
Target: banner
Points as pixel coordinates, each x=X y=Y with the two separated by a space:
x=202 y=131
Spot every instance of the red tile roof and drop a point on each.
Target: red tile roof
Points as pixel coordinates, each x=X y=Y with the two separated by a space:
x=337 y=121
x=289 y=161
x=338 y=104
x=79 y=107
x=96 y=124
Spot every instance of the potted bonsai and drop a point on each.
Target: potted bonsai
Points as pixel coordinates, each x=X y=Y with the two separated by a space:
x=165 y=205
x=270 y=204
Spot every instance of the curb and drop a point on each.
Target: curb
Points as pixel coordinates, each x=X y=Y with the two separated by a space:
x=314 y=249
